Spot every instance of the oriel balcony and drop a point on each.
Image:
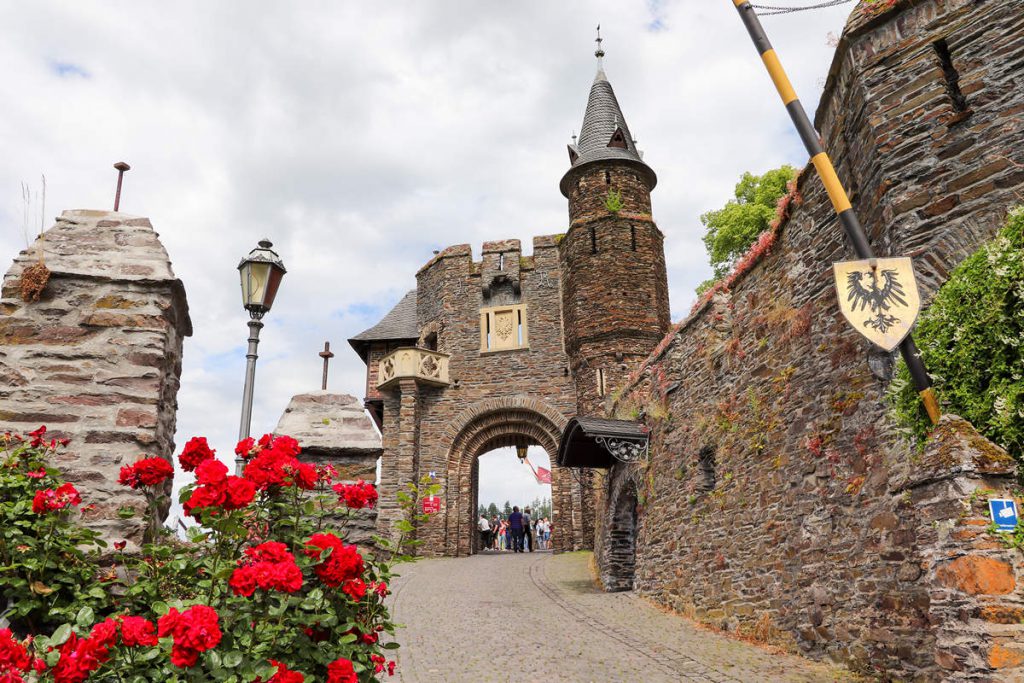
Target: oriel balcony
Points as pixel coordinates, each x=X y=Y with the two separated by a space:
x=423 y=365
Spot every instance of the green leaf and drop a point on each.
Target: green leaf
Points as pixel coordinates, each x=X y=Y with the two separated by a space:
x=232 y=659
x=85 y=617
x=61 y=635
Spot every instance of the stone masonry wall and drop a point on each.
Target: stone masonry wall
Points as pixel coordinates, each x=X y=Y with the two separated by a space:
x=98 y=358
x=777 y=499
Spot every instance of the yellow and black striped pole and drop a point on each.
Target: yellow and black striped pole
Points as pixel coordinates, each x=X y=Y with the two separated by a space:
x=836 y=193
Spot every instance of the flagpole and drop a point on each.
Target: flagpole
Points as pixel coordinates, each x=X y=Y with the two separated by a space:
x=833 y=186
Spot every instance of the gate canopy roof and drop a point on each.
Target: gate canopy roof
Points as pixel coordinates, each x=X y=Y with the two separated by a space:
x=587 y=441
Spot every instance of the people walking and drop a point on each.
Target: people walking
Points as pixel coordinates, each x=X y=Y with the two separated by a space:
x=485 y=532
x=515 y=523
x=528 y=529
x=495 y=528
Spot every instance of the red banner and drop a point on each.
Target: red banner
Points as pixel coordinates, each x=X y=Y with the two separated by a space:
x=543 y=475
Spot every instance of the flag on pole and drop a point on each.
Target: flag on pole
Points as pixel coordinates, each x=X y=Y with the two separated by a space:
x=543 y=475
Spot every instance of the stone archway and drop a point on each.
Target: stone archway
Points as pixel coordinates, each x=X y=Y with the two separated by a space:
x=496 y=423
x=618 y=565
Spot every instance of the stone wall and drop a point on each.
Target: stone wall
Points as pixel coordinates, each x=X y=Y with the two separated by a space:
x=98 y=358
x=778 y=498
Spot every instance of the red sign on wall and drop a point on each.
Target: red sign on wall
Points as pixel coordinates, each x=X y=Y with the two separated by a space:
x=431 y=504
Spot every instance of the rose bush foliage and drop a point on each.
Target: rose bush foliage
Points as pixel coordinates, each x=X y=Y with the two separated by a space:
x=266 y=589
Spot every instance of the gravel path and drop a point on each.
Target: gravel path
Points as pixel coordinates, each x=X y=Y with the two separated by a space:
x=538 y=617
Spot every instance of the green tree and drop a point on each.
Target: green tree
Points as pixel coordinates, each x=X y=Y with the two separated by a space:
x=731 y=230
x=492 y=510
x=507 y=510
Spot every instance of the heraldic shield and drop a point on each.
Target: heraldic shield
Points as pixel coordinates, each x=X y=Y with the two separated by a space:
x=879 y=298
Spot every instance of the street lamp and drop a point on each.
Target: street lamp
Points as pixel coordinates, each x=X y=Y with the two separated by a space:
x=521 y=453
x=260 y=272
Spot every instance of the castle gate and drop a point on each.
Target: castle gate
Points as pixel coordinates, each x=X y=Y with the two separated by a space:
x=498 y=423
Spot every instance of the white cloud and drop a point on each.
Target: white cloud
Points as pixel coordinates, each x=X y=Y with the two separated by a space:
x=361 y=136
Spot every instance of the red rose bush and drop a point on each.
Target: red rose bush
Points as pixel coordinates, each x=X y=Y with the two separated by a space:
x=266 y=588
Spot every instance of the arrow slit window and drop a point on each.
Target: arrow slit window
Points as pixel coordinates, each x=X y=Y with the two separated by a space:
x=503 y=328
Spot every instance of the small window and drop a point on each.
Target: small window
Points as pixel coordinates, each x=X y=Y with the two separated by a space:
x=632 y=236
x=602 y=387
x=503 y=328
x=430 y=341
x=607 y=178
x=706 y=461
x=501 y=261
x=593 y=240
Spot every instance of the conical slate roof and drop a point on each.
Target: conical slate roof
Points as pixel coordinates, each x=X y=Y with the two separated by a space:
x=600 y=123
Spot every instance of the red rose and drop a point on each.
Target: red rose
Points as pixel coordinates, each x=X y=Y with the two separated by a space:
x=355 y=589
x=78 y=658
x=13 y=655
x=268 y=566
x=302 y=475
x=194 y=631
x=245 y=447
x=285 y=446
x=136 y=631
x=48 y=500
x=211 y=472
x=238 y=493
x=37 y=436
x=341 y=671
x=265 y=470
x=283 y=675
x=195 y=452
x=146 y=472
x=105 y=633
x=36 y=474
x=344 y=563
x=358 y=495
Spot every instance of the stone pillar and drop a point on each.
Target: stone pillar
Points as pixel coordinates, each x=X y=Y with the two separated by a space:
x=334 y=429
x=401 y=445
x=561 y=509
x=974 y=585
x=97 y=359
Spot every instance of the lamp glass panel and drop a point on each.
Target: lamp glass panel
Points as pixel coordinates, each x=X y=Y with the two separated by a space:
x=254 y=283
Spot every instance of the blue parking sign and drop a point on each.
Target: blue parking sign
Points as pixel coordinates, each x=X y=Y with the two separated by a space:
x=1004 y=513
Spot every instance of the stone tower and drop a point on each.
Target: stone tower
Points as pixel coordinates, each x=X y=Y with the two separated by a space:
x=614 y=284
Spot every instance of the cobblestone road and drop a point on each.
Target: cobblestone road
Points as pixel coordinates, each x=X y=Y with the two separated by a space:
x=538 y=617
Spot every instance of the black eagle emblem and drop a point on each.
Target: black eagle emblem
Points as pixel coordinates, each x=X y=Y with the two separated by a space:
x=879 y=300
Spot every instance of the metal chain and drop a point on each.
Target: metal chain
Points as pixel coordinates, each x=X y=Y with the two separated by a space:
x=775 y=9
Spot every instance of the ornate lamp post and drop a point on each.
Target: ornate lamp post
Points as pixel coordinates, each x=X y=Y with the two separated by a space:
x=521 y=452
x=261 y=272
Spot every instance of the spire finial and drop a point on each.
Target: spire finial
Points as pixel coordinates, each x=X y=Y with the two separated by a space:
x=574 y=137
x=599 y=52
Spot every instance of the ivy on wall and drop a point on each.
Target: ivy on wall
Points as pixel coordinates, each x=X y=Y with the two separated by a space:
x=972 y=342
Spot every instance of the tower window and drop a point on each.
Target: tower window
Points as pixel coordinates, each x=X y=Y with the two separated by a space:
x=607 y=178
x=632 y=236
x=602 y=387
x=501 y=261
x=593 y=240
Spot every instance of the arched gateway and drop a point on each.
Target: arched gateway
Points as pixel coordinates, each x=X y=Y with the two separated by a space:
x=497 y=423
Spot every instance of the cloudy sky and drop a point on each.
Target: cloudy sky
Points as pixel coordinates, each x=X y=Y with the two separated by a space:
x=360 y=137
